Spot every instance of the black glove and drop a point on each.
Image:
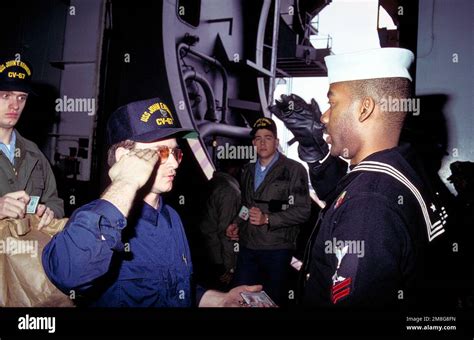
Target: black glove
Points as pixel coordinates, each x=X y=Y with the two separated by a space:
x=303 y=120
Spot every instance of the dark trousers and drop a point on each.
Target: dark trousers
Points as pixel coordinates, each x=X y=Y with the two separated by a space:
x=270 y=268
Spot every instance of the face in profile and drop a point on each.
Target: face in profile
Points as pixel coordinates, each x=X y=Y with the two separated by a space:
x=339 y=120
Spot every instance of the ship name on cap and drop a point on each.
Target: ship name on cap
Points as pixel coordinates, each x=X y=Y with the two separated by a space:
x=166 y=116
x=263 y=122
x=19 y=63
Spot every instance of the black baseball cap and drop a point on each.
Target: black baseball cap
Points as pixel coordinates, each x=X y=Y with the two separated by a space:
x=15 y=75
x=145 y=121
x=264 y=123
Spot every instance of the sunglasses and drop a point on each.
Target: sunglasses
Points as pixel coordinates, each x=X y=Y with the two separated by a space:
x=165 y=151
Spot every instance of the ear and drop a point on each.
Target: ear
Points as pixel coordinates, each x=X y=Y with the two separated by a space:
x=367 y=107
x=253 y=142
x=120 y=152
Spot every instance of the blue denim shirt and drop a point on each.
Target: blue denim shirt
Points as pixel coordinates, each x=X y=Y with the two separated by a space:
x=148 y=264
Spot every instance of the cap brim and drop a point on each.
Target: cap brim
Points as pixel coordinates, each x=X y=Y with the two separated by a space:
x=27 y=88
x=163 y=133
x=254 y=130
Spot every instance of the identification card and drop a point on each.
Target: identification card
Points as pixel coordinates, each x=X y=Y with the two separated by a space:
x=32 y=205
x=254 y=299
x=244 y=213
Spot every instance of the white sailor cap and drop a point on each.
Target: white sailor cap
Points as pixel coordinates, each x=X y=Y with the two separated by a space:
x=388 y=62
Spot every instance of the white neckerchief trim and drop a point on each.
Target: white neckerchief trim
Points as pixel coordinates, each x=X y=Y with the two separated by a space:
x=433 y=230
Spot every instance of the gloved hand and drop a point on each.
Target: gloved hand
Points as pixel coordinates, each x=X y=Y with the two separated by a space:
x=303 y=120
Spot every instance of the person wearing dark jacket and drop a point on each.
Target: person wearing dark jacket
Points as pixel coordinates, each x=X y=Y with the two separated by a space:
x=377 y=240
x=222 y=206
x=128 y=248
x=24 y=170
x=275 y=190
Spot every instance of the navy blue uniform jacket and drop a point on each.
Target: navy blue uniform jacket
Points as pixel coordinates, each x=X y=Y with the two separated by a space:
x=147 y=264
x=371 y=247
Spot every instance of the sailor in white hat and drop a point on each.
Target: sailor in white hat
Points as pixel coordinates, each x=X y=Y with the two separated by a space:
x=376 y=239
x=360 y=83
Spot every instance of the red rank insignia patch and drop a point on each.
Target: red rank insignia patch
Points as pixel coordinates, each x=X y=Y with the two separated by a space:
x=340 y=289
x=340 y=199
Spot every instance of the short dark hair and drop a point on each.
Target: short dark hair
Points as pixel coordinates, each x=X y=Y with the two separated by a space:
x=380 y=88
x=127 y=144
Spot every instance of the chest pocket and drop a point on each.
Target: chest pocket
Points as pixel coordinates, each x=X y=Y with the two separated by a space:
x=37 y=179
x=279 y=190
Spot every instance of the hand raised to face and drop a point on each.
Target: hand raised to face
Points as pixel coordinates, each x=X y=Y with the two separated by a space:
x=135 y=167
